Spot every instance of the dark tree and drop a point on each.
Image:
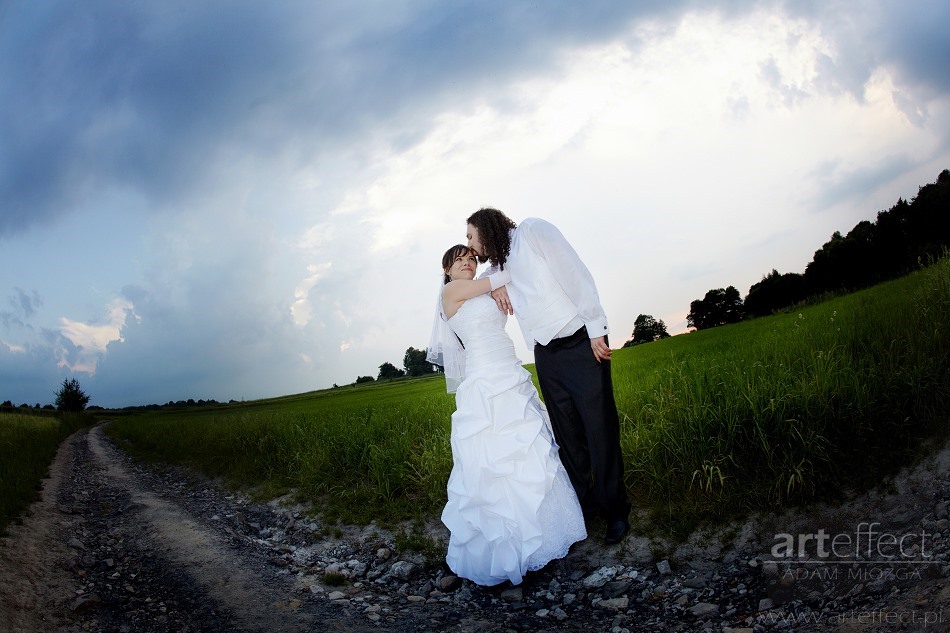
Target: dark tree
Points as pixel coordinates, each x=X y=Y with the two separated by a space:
x=929 y=222
x=893 y=238
x=774 y=292
x=388 y=371
x=647 y=329
x=361 y=379
x=904 y=237
x=719 y=307
x=415 y=362
x=71 y=397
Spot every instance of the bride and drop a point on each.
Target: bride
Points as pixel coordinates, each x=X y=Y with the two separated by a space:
x=511 y=507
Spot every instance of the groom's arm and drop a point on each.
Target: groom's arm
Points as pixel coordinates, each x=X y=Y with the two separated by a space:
x=500 y=295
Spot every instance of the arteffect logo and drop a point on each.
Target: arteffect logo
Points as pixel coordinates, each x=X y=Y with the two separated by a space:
x=867 y=544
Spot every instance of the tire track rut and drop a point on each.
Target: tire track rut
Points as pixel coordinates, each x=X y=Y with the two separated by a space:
x=101 y=551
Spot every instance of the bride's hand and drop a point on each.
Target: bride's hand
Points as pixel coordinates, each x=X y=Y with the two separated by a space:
x=500 y=295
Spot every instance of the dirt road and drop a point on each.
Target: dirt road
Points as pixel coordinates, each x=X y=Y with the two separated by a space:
x=116 y=546
x=136 y=562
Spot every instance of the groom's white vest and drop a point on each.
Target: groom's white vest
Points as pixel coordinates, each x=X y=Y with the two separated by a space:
x=552 y=292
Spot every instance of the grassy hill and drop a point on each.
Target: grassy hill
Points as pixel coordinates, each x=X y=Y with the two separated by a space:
x=763 y=413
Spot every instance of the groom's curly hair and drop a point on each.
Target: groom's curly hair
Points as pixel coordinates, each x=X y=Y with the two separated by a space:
x=493 y=230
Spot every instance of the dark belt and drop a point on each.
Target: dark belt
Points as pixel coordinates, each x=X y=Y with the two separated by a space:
x=568 y=341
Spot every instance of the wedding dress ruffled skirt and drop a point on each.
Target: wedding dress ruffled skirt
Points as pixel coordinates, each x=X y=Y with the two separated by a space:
x=511 y=507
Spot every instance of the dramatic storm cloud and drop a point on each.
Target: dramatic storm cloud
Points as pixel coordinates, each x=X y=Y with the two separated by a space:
x=245 y=199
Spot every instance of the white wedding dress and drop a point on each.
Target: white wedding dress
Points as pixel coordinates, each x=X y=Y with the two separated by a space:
x=511 y=507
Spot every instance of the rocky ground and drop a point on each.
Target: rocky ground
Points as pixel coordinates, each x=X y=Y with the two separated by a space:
x=118 y=546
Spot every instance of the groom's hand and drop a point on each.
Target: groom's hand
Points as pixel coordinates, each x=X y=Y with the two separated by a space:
x=500 y=295
x=600 y=348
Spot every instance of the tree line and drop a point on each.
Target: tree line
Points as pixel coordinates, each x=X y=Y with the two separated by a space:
x=905 y=237
x=414 y=364
x=70 y=398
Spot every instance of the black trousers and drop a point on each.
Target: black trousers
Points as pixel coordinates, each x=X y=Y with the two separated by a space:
x=579 y=396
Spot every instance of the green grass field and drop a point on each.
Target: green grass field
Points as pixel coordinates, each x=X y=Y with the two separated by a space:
x=28 y=443
x=379 y=450
x=760 y=414
x=788 y=408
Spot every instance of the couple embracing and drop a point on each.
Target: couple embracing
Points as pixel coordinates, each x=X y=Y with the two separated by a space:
x=525 y=474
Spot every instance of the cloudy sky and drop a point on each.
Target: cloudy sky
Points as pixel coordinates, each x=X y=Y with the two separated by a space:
x=247 y=199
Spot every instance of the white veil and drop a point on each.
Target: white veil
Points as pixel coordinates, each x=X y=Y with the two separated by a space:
x=445 y=348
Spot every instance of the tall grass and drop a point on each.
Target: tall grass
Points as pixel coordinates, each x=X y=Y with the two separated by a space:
x=373 y=451
x=762 y=413
x=787 y=408
x=28 y=443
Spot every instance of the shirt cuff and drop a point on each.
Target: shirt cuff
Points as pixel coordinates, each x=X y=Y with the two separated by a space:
x=597 y=328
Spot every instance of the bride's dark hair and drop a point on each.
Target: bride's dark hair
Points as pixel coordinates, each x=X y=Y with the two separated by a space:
x=459 y=250
x=493 y=232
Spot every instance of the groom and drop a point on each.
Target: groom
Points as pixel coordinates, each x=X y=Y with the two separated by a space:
x=555 y=300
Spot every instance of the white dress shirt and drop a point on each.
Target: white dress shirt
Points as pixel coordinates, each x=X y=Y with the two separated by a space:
x=551 y=291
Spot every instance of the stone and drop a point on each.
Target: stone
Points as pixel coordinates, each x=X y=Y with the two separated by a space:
x=383 y=553
x=765 y=604
x=704 y=610
x=449 y=583
x=941 y=510
x=664 y=567
x=403 y=570
x=696 y=582
x=84 y=603
x=600 y=577
x=616 y=588
x=357 y=567
x=515 y=594
x=614 y=604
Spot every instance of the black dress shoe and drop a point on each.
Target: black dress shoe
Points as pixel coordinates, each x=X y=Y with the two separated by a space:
x=616 y=530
